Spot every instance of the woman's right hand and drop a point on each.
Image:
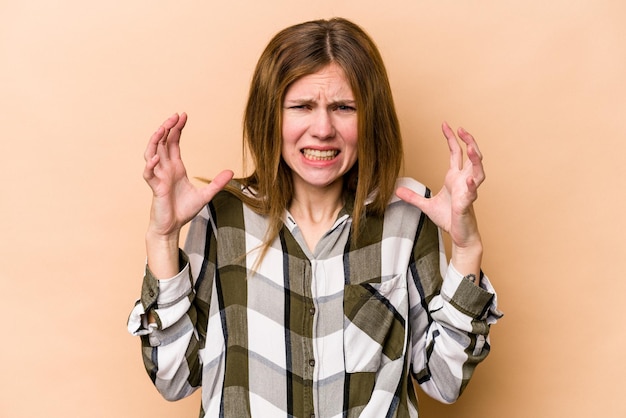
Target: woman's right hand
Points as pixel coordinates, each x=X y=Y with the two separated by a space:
x=175 y=199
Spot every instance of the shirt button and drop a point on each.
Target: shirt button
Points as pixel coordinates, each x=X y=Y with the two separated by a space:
x=151 y=293
x=312 y=363
x=312 y=311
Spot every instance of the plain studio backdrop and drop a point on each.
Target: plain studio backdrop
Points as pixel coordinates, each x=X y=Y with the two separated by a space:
x=83 y=85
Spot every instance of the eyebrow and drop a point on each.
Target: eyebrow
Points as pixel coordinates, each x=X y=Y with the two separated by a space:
x=311 y=101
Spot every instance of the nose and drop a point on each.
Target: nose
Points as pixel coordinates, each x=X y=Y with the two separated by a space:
x=322 y=126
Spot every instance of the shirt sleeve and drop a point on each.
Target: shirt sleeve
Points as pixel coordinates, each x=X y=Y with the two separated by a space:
x=450 y=322
x=477 y=302
x=167 y=299
x=170 y=346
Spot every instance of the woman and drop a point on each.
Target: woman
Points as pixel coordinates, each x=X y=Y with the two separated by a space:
x=314 y=286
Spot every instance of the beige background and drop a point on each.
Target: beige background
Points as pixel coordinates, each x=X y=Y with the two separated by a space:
x=83 y=84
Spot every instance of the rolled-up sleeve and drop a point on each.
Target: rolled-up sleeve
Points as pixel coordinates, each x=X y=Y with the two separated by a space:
x=457 y=339
x=167 y=299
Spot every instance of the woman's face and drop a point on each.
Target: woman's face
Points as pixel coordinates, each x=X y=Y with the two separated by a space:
x=319 y=128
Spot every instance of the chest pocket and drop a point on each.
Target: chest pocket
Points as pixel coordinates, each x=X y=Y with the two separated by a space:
x=374 y=323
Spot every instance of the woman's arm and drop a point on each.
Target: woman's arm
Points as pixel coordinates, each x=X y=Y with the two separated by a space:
x=175 y=201
x=165 y=317
x=452 y=208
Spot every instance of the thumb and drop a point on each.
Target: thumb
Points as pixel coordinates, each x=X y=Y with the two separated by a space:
x=413 y=198
x=217 y=184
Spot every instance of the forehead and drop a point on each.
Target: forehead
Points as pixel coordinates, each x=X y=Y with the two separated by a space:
x=330 y=81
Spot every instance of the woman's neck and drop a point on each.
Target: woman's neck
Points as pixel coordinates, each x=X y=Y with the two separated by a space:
x=315 y=211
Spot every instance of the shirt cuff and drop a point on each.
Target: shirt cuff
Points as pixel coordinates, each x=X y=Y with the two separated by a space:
x=163 y=292
x=477 y=301
x=167 y=299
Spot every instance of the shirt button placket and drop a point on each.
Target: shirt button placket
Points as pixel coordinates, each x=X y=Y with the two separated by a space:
x=308 y=371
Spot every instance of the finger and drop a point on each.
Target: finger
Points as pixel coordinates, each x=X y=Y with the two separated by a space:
x=472 y=188
x=162 y=147
x=170 y=122
x=151 y=148
x=148 y=171
x=157 y=136
x=478 y=170
x=173 y=140
x=470 y=142
x=474 y=155
x=456 y=153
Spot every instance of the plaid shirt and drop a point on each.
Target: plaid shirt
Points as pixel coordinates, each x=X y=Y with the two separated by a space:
x=343 y=331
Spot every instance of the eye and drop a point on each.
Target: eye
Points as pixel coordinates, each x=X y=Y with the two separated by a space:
x=345 y=108
x=300 y=107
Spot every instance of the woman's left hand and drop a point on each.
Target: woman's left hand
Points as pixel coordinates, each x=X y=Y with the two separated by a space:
x=452 y=208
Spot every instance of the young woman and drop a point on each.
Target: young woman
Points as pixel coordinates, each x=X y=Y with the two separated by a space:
x=318 y=285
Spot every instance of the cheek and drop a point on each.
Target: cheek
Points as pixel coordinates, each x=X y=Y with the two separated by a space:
x=350 y=128
x=351 y=137
x=291 y=132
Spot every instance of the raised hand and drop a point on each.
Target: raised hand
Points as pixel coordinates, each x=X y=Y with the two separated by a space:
x=175 y=199
x=452 y=207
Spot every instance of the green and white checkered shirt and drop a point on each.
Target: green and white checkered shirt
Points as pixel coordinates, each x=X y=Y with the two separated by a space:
x=334 y=333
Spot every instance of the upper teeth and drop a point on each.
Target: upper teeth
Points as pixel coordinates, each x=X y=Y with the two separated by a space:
x=313 y=153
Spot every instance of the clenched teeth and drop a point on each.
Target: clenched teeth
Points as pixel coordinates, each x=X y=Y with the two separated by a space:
x=314 y=154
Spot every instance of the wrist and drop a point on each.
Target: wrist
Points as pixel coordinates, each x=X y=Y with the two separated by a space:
x=475 y=249
x=162 y=254
x=161 y=239
x=467 y=259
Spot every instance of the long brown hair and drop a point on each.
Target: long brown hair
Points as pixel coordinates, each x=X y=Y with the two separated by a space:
x=301 y=50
